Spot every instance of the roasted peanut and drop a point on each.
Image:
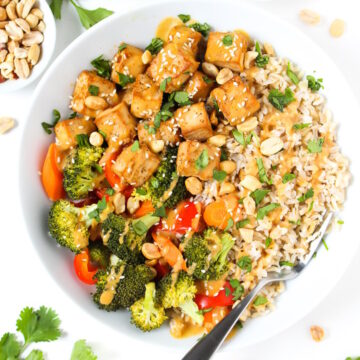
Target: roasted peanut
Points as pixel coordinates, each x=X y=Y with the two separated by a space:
x=193 y=185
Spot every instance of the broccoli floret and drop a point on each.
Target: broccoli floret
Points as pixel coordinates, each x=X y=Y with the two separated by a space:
x=69 y=225
x=145 y=313
x=99 y=254
x=125 y=237
x=165 y=187
x=179 y=292
x=81 y=171
x=208 y=253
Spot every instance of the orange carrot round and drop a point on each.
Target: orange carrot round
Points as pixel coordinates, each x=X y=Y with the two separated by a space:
x=216 y=214
x=145 y=208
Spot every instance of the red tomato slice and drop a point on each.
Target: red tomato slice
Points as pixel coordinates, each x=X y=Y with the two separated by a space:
x=223 y=298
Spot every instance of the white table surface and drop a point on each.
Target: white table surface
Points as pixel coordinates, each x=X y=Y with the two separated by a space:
x=26 y=283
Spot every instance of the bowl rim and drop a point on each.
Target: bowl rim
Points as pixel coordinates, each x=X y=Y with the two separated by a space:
x=144 y=7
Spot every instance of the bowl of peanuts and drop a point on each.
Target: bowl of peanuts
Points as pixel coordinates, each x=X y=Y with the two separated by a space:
x=27 y=42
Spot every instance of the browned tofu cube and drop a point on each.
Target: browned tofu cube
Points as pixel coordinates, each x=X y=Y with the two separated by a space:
x=197 y=159
x=127 y=62
x=194 y=122
x=136 y=166
x=168 y=131
x=185 y=37
x=231 y=54
x=174 y=64
x=118 y=125
x=235 y=100
x=199 y=86
x=66 y=131
x=146 y=99
x=104 y=88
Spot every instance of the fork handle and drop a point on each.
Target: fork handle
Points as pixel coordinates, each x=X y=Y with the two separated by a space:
x=206 y=347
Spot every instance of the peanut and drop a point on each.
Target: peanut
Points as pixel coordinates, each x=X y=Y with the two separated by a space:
x=226 y=188
x=317 y=333
x=337 y=28
x=119 y=203
x=3 y=15
x=228 y=166
x=210 y=69
x=34 y=54
x=22 y=69
x=271 y=146
x=96 y=103
x=146 y=57
x=151 y=251
x=224 y=76
x=217 y=140
x=250 y=56
x=6 y=124
x=193 y=185
x=251 y=183
x=248 y=125
x=309 y=17
x=33 y=21
x=33 y=37
x=28 y=5
x=11 y=10
x=157 y=146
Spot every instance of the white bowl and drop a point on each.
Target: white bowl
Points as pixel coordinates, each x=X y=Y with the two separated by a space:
x=138 y=27
x=47 y=50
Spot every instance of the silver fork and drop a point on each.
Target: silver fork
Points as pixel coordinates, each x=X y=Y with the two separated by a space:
x=207 y=346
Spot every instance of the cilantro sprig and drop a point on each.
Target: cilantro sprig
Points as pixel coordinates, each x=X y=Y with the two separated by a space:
x=280 y=100
x=155 y=46
x=102 y=66
x=261 y=60
x=55 y=119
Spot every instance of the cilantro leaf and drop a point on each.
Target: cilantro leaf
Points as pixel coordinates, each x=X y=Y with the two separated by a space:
x=258 y=195
x=262 y=212
x=315 y=146
x=38 y=325
x=10 y=348
x=55 y=119
x=207 y=80
x=313 y=84
x=292 y=76
x=55 y=7
x=35 y=355
x=288 y=177
x=245 y=263
x=182 y=98
x=308 y=195
x=184 y=18
x=164 y=83
x=260 y=300
x=155 y=46
x=219 y=175
x=202 y=161
x=204 y=311
x=135 y=146
x=125 y=79
x=262 y=172
x=261 y=60
x=229 y=225
x=286 y=263
x=93 y=90
x=239 y=137
x=227 y=40
x=242 y=223
x=280 y=100
x=122 y=46
x=268 y=242
x=160 y=211
x=301 y=126
x=88 y=18
x=102 y=66
x=201 y=28
x=82 y=351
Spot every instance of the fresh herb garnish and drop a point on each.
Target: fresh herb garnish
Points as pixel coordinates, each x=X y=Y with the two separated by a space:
x=313 y=84
x=164 y=83
x=315 y=146
x=201 y=28
x=260 y=300
x=55 y=7
x=292 y=76
x=203 y=160
x=262 y=212
x=110 y=191
x=207 y=79
x=155 y=46
x=122 y=46
x=101 y=206
x=160 y=211
x=288 y=177
x=242 y=223
x=135 y=146
x=204 y=311
x=308 y=195
x=55 y=119
x=102 y=66
x=268 y=242
x=219 y=175
x=81 y=351
x=93 y=90
x=125 y=79
x=162 y=115
x=238 y=289
x=141 y=191
x=262 y=172
x=73 y=115
x=258 y=195
x=227 y=291
x=184 y=18
x=82 y=140
x=286 y=263
x=279 y=100
x=245 y=263
x=229 y=225
x=261 y=60
x=223 y=154
x=311 y=206
x=182 y=98
x=301 y=126
x=227 y=40
x=239 y=137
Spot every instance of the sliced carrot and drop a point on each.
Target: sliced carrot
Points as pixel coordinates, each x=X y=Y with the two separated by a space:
x=216 y=214
x=145 y=208
x=51 y=176
x=170 y=252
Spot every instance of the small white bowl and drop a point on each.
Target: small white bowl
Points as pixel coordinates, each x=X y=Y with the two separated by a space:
x=47 y=50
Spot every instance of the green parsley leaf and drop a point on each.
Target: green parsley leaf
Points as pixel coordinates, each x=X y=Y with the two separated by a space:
x=207 y=79
x=234 y=283
x=313 y=84
x=308 y=195
x=268 y=242
x=164 y=83
x=73 y=115
x=223 y=154
x=184 y=18
x=35 y=355
x=286 y=263
x=261 y=60
x=280 y=100
x=262 y=172
x=245 y=263
x=135 y=146
x=55 y=7
x=258 y=195
x=293 y=77
x=203 y=160
x=201 y=28
x=315 y=146
x=301 y=126
x=82 y=140
x=242 y=223
x=38 y=325
x=325 y=244
x=262 y=212
x=288 y=177
x=260 y=300
x=10 y=348
x=219 y=175
x=110 y=191
x=155 y=46
x=229 y=225
x=227 y=40
x=160 y=212
x=182 y=98
x=122 y=46
x=204 y=311
x=238 y=292
x=241 y=201
x=93 y=90
x=239 y=137
x=88 y=18
x=102 y=66
x=55 y=119
x=82 y=351
x=125 y=79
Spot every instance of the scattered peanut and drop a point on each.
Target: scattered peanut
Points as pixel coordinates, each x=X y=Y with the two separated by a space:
x=20 y=53
x=132 y=204
x=14 y=31
x=96 y=103
x=96 y=139
x=119 y=203
x=271 y=146
x=11 y=10
x=228 y=166
x=22 y=69
x=250 y=182
x=40 y=26
x=317 y=333
x=309 y=17
x=34 y=54
x=337 y=28
x=248 y=125
x=151 y=251
x=210 y=69
x=224 y=76
x=217 y=140
x=23 y=24
x=193 y=185
x=28 y=5
x=146 y=57
x=157 y=146
x=226 y=188
x=6 y=124
x=32 y=20
x=37 y=12
x=3 y=15
x=250 y=56
x=249 y=205
x=33 y=37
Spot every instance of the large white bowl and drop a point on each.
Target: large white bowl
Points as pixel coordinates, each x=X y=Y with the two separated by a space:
x=138 y=27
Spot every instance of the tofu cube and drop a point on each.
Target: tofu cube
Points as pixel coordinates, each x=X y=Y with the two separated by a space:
x=128 y=62
x=146 y=97
x=235 y=100
x=136 y=167
x=199 y=86
x=106 y=90
x=173 y=63
x=168 y=131
x=194 y=122
x=188 y=157
x=66 y=131
x=118 y=125
x=185 y=37
x=230 y=56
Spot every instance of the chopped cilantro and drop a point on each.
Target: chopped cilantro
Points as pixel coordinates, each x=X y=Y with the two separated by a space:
x=242 y=223
x=94 y=90
x=204 y=311
x=203 y=160
x=315 y=146
x=55 y=119
x=261 y=60
x=102 y=66
x=313 y=84
x=308 y=195
x=122 y=46
x=219 y=175
x=279 y=100
x=135 y=146
x=293 y=77
x=125 y=79
x=268 y=242
x=110 y=191
x=164 y=83
x=229 y=224
x=258 y=195
x=245 y=263
x=262 y=212
x=262 y=172
x=201 y=28
x=184 y=18
x=288 y=177
x=155 y=46
x=182 y=98
x=207 y=80
x=286 y=263
x=301 y=126
x=227 y=40
x=260 y=300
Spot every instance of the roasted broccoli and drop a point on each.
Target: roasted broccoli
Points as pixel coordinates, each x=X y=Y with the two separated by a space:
x=179 y=292
x=165 y=187
x=208 y=253
x=69 y=225
x=99 y=254
x=145 y=313
x=81 y=170
x=121 y=285
x=125 y=237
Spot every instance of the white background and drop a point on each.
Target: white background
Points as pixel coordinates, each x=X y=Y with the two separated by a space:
x=24 y=281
